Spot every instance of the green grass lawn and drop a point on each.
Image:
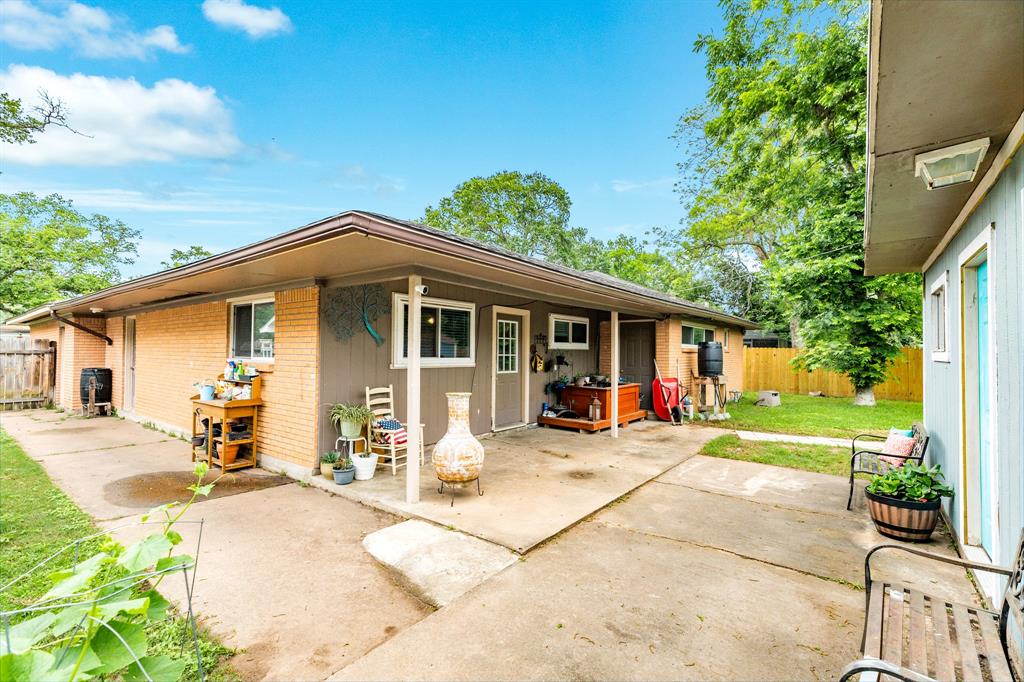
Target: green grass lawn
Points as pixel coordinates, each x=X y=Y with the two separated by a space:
x=835 y=417
x=36 y=520
x=819 y=458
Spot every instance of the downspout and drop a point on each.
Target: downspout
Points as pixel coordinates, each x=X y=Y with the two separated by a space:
x=110 y=342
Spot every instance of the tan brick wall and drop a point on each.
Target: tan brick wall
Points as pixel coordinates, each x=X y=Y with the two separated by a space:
x=175 y=348
x=288 y=418
x=677 y=361
x=178 y=346
x=114 y=359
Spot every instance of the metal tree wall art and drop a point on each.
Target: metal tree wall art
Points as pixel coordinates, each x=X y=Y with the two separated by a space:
x=351 y=309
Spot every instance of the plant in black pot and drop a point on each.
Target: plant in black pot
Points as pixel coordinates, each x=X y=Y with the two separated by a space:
x=904 y=501
x=344 y=472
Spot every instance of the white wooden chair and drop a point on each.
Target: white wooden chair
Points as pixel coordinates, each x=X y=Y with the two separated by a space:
x=381 y=402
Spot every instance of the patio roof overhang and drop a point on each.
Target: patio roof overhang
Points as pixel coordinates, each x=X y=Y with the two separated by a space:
x=356 y=246
x=939 y=74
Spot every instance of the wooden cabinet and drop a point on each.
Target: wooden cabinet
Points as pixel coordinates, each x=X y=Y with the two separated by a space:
x=579 y=398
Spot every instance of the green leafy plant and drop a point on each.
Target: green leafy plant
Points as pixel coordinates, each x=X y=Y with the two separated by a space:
x=92 y=621
x=911 y=482
x=330 y=457
x=343 y=463
x=354 y=413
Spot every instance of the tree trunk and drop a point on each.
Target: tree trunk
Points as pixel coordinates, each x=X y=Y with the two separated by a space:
x=795 y=340
x=865 y=396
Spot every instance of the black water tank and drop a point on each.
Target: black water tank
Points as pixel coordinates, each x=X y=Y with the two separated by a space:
x=104 y=379
x=709 y=359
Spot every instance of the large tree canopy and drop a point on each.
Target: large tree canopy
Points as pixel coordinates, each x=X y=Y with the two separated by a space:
x=780 y=164
x=181 y=257
x=524 y=212
x=49 y=251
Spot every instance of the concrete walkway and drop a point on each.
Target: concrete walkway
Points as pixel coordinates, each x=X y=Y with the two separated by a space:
x=281 y=575
x=716 y=570
x=793 y=438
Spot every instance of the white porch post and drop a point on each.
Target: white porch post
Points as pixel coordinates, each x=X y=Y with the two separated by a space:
x=615 y=373
x=412 y=393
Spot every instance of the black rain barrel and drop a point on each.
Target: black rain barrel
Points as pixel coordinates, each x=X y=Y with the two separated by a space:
x=709 y=359
x=104 y=378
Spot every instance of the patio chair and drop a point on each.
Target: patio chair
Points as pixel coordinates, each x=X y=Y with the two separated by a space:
x=381 y=402
x=871 y=461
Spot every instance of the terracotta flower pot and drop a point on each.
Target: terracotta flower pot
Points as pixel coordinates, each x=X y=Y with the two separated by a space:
x=903 y=519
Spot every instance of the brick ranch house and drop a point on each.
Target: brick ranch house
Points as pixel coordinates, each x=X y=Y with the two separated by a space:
x=276 y=304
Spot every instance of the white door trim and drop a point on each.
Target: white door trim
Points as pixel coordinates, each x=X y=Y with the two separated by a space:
x=524 y=359
x=983 y=242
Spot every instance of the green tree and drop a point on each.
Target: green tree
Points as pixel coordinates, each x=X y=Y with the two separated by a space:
x=527 y=213
x=18 y=126
x=784 y=129
x=181 y=257
x=49 y=251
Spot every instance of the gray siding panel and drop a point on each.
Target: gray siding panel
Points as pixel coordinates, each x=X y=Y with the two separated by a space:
x=1002 y=207
x=347 y=367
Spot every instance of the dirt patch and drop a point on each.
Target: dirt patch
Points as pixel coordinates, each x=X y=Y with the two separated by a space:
x=581 y=474
x=556 y=453
x=149 y=490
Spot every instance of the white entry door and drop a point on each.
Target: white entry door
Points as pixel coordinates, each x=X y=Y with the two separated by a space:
x=508 y=376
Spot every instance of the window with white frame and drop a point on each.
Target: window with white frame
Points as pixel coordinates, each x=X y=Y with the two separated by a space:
x=507 y=347
x=568 y=332
x=252 y=329
x=447 y=332
x=694 y=334
x=937 y=333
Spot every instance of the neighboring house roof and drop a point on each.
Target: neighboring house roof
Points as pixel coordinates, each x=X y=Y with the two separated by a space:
x=338 y=247
x=939 y=73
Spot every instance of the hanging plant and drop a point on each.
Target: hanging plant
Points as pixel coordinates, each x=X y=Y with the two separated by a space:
x=351 y=309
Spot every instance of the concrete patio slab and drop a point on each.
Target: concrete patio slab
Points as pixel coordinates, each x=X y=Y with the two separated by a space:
x=610 y=603
x=537 y=482
x=436 y=564
x=283 y=576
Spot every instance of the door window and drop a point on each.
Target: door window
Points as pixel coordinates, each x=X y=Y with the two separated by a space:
x=508 y=347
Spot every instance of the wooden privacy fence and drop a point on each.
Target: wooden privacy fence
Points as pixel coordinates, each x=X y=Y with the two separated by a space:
x=769 y=369
x=27 y=371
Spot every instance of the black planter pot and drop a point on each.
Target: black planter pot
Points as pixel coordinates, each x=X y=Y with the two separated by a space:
x=903 y=519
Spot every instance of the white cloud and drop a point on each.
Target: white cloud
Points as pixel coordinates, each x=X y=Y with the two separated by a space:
x=656 y=186
x=356 y=178
x=89 y=30
x=123 y=121
x=257 y=22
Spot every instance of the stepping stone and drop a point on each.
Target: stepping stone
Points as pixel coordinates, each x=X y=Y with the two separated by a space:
x=433 y=563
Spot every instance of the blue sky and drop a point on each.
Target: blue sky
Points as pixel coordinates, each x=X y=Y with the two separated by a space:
x=219 y=122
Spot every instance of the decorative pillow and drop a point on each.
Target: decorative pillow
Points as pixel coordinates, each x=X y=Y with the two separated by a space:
x=909 y=433
x=391 y=431
x=897 y=444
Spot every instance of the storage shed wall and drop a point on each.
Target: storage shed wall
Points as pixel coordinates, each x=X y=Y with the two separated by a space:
x=1003 y=207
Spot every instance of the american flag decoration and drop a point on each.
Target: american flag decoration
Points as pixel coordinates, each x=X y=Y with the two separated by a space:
x=391 y=431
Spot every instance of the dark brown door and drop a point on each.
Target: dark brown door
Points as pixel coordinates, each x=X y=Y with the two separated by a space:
x=636 y=359
x=508 y=387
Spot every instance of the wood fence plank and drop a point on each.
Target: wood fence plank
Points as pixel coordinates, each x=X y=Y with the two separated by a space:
x=770 y=369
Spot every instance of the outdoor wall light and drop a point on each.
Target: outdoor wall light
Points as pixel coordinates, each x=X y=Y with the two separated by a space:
x=951 y=165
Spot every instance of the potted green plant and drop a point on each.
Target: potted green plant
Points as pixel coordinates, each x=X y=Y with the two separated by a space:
x=349 y=418
x=904 y=501
x=327 y=462
x=344 y=472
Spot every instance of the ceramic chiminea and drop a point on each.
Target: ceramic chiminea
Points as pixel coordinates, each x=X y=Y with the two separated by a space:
x=458 y=457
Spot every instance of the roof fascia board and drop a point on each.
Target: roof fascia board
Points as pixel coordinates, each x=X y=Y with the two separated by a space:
x=207 y=298
x=999 y=164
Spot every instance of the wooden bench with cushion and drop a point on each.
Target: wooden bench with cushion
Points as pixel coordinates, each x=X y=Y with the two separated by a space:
x=872 y=461
x=911 y=635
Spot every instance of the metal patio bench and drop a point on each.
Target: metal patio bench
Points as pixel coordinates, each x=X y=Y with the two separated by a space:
x=910 y=635
x=864 y=461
